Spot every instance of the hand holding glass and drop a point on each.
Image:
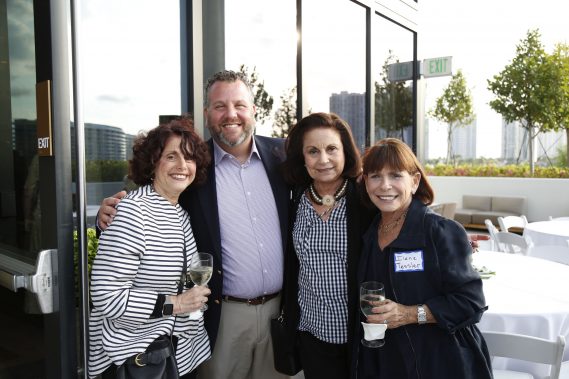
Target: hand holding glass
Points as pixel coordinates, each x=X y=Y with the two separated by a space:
x=201 y=268
x=370 y=294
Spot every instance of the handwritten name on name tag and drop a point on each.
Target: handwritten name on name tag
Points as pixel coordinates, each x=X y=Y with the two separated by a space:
x=406 y=261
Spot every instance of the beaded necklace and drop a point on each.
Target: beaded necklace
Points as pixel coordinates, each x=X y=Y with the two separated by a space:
x=328 y=200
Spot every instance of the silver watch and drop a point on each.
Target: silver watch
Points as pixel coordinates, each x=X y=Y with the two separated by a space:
x=421 y=314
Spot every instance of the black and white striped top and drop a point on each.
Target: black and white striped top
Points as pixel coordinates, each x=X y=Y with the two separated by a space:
x=140 y=256
x=322 y=250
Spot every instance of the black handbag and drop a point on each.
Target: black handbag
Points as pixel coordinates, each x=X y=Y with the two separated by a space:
x=285 y=353
x=157 y=362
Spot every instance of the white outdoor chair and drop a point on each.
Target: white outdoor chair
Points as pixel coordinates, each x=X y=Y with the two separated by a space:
x=553 y=253
x=449 y=209
x=512 y=243
x=551 y=218
x=508 y=222
x=492 y=230
x=444 y=209
x=525 y=348
x=437 y=208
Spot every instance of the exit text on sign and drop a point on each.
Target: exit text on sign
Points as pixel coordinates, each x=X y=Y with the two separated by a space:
x=437 y=67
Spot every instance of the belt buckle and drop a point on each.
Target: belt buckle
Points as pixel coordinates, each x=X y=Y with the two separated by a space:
x=256 y=301
x=137 y=360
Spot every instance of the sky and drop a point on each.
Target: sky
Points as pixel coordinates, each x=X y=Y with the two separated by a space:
x=130 y=62
x=481 y=36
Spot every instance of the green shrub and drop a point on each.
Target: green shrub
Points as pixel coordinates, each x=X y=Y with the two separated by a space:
x=513 y=171
x=92 y=247
x=103 y=171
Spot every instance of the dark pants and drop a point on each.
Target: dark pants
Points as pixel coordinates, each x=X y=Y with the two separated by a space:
x=322 y=359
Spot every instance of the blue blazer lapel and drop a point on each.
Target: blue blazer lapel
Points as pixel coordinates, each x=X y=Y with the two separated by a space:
x=272 y=155
x=207 y=195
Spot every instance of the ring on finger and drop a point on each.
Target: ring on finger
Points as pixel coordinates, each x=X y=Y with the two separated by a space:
x=385 y=321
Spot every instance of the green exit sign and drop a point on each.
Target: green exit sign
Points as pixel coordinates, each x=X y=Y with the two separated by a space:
x=402 y=71
x=437 y=67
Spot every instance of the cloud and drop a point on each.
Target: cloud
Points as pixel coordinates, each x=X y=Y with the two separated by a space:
x=114 y=99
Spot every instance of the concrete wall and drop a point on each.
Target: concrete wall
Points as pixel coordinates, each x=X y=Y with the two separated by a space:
x=545 y=197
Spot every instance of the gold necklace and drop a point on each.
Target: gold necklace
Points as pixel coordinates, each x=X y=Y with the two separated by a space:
x=391 y=225
x=327 y=200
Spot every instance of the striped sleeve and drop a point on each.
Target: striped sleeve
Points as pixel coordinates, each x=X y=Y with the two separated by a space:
x=121 y=248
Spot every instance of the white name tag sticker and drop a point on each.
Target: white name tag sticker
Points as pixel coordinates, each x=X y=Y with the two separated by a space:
x=408 y=261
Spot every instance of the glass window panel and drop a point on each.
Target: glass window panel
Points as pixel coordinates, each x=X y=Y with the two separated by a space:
x=20 y=218
x=261 y=35
x=130 y=76
x=333 y=48
x=392 y=75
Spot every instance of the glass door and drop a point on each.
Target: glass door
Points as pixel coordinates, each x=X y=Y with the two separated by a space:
x=37 y=315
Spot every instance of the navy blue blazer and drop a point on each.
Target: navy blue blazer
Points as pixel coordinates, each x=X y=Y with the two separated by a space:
x=453 y=347
x=201 y=203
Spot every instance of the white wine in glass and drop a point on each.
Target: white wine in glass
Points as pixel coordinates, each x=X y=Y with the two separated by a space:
x=201 y=268
x=200 y=276
x=371 y=293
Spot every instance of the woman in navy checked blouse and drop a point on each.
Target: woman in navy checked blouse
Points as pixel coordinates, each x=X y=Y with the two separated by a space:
x=140 y=258
x=323 y=164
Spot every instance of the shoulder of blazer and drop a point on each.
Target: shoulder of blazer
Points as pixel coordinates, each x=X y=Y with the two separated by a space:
x=271 y=148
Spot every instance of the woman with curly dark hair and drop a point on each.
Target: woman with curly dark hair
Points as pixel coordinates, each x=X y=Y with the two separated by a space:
x=138 y=269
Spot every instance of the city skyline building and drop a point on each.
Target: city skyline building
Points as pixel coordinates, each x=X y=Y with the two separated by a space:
x=464 y=141
x=515 y=142
x=351 y=107
x=513 y=139
x=104 y=142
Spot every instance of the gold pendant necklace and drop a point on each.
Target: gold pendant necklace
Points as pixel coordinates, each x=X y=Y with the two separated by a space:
x=327 y=200
x=391 y=225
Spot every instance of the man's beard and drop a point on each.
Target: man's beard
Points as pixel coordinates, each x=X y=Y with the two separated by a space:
x=247 y=131
x=242 y=138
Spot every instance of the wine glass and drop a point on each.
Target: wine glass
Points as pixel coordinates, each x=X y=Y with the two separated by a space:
x=201 y=268
x=371 y=293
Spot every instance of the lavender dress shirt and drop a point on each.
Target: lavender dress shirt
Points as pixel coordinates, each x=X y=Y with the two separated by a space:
x=251 y=242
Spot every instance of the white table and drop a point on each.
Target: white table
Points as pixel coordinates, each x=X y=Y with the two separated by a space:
x=526 y=296
x=555 y=232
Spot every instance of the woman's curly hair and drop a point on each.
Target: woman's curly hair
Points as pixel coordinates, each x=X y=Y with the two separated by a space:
x=148 y=149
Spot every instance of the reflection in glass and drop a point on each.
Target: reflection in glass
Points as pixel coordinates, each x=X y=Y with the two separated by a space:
x=393 y=80
x=131 y=79
x=20 y=218
x=267 y=48
x=334 y=63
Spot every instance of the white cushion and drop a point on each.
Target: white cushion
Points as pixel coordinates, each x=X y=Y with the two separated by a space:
x=507 y=374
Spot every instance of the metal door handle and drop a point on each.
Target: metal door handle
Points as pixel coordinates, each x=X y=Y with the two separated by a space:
x=39 y=280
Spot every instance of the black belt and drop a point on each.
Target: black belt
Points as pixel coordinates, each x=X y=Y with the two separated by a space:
x=256 y=301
